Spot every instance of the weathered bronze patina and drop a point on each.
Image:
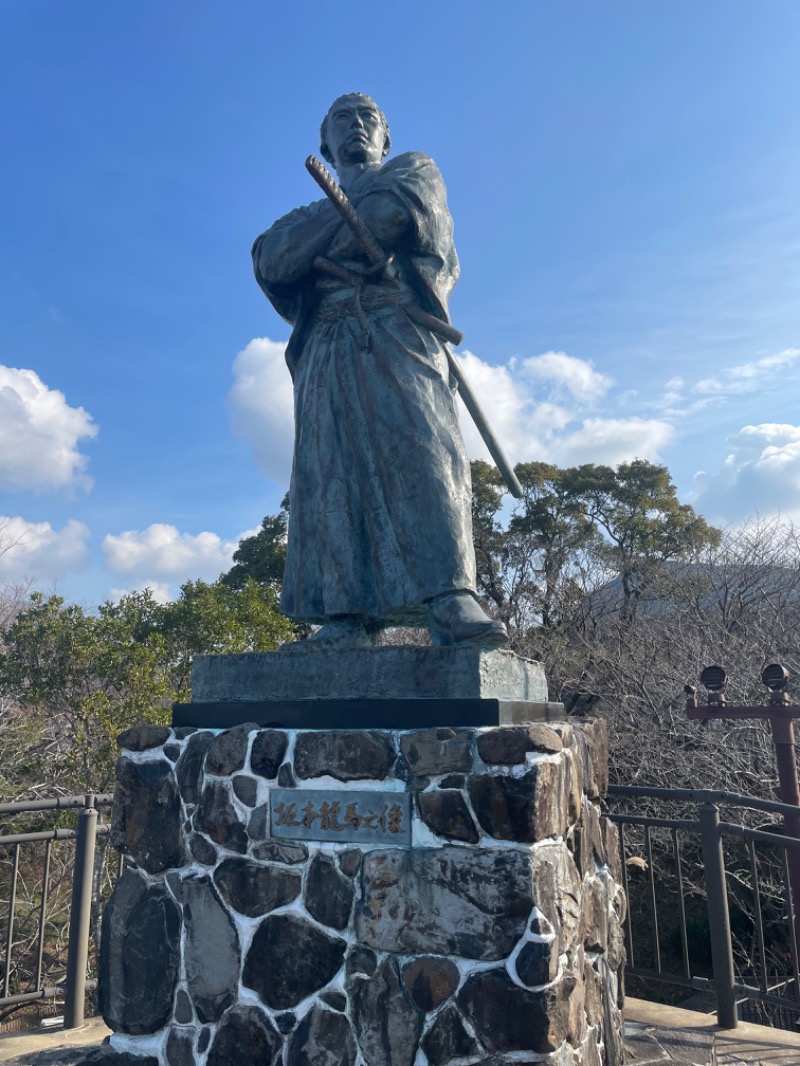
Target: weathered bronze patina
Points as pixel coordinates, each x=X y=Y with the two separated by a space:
x=380 y=529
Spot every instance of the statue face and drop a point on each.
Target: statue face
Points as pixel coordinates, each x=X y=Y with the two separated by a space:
x=355 y=132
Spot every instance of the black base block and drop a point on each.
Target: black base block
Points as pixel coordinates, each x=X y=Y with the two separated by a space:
x=364 y=714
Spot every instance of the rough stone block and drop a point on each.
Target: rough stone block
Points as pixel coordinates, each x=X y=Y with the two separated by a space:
x=509 y=745
x=245 y=1036
x=210 y=934
x=594 y=914
x=575 y=782
x=180 y=1048
x=537 y=962
x=189 y=770
x=576 y=996
x=275 y=851
x=147 y=814
x=612 y=849
x=254 y=889
x=525 y=809
x=143 y=737
x=323 y=1038
x=429 y=981
x=446 y=814
x=269 y=748
x=448 y=1039
x=334 y=999
x=388 y=1026
x=227 y=751
x=289 y=959
x=245 y=789
x=138 y=956
x=449 y=900
x=592 y=741
x=557 y=889
x=217 y=818
x=107 y=1056
x=507 y=1018
x=365 y=755
x=184 y=1014
x=329 y=894
x=437 y=751
x=202 y=850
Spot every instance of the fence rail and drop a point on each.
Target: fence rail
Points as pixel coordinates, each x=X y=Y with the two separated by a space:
x=82 y=893
x=728 y=986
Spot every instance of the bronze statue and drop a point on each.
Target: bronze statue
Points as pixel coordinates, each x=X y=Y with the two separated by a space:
x=380 y=529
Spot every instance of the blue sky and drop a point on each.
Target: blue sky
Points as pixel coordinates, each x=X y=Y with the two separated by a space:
x=623 y=178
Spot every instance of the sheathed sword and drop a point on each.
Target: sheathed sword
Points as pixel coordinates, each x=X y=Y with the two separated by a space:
x=381 y=264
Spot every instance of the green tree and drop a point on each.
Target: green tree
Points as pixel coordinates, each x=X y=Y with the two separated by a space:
x=642 y=521
x=79 y=678
x=488 y=535
x=552 y=521
x=524 y=565
x=219 y=619
x=83 y=678
x=261 y=557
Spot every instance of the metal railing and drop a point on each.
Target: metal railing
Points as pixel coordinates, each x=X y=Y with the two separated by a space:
x=663 y=841
x=82 y=893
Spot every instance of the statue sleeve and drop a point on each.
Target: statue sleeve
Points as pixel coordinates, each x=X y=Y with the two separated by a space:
x=415 y=179
x=282 y=256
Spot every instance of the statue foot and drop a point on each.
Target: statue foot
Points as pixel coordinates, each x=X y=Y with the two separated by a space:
x=339 y=633
x=458 y=618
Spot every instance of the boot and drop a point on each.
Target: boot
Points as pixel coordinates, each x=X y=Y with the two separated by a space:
x=458 y=618
x=343 y=632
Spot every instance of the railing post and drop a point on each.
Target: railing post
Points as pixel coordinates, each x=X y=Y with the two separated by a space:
x=783 y=735
x=718 y=918
x=80 y=916
x=12 y=906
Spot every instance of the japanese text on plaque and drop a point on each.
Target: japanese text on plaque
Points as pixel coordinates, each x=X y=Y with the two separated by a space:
x=317 y=814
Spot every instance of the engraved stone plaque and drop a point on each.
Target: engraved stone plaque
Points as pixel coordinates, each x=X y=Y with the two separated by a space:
x=331 y=815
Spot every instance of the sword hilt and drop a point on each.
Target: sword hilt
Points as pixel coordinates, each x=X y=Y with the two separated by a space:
x=338 y=198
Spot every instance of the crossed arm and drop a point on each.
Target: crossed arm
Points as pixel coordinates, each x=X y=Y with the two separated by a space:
x=286 y=252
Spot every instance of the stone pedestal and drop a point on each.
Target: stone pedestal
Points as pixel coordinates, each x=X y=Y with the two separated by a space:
x=388 y=688
x=390 y=673
x=378 y=897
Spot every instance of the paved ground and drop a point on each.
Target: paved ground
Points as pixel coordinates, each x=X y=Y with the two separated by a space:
x=52 y=1047
x=659 y=1034
x=654 y=1036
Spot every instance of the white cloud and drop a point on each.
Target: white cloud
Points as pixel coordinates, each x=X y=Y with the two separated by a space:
x=260 y=405
x=40 y=435
x=35 y=550
x=163 y=552
x=612 y=441
x=761 y=473
x=509 y=408
x=681 y=400
x=576 y=376
x=748 y=377
x=531 y=427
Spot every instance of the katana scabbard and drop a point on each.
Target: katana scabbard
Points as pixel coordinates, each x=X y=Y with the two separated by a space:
x=379 y=261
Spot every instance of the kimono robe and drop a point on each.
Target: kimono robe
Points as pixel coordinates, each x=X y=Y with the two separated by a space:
x=380 y=496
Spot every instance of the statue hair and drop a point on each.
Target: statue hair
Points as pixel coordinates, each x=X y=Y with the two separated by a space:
x=325 y=152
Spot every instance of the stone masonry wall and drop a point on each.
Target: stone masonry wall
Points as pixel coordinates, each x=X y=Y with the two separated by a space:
x=495 y=938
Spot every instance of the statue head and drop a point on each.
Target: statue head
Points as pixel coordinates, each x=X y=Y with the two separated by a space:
x=354 y=130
